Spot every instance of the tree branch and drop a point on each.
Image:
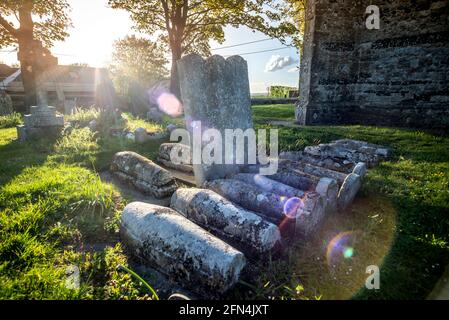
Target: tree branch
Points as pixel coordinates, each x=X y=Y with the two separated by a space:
x=5 y=24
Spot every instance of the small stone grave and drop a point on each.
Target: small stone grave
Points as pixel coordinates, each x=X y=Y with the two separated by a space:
x=41 y=122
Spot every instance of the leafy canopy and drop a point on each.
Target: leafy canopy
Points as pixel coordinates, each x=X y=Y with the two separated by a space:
x=192 y=23
x=50 y=20
x=137 y=59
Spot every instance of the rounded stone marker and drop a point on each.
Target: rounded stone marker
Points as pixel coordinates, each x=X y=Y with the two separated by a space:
x=180 y=249
x=250 y=232
x=348 y=190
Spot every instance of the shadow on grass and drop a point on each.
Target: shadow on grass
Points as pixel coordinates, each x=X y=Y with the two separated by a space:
x=15 y=156
x=416 y=182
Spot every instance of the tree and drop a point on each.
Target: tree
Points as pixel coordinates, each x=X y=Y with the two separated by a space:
x=35 y=20
x=137 y=59
x=187 y=25
x=295 y=10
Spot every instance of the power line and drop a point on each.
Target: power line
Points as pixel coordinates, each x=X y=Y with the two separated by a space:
x=254 y=52
x=241 y=44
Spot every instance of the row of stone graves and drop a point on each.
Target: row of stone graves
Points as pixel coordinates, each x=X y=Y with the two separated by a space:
x=209 y=233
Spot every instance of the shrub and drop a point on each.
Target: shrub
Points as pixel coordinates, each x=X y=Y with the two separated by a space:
x=10 y=120
x=82 y=116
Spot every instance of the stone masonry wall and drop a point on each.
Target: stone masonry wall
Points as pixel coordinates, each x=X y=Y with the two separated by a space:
x=397 y=75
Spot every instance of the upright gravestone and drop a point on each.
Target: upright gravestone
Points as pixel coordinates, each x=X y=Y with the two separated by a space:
x=5 y=104
x=42 y=120
x=216 y=95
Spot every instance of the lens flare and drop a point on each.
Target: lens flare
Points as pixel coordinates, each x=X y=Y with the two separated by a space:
x=292 y=207
x=348 y=252
x=169 y=104
x=339 y=247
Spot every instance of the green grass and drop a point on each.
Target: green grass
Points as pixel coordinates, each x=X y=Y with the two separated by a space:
x=265 y=113
x=400 y=220
x=82 y=116
x=53 y=206
x=10 y=120
x=132 y=123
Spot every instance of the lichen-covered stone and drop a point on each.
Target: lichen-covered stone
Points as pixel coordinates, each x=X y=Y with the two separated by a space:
x=269 y=205
x=266 y=184
x=140 y=135
x=349 y=184
x=281 y=210
x=216 y=92
x=343 y=154
x=43 y=121
x=244 y=229
x=180 y=249
x=5 y=104
x=326 y=187
x=143 y=173
x=326 y=162
x=182 y=151
x=365 y=147
x=348 y=190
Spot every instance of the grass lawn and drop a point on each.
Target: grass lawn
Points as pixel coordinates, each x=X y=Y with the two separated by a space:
x=54 y=209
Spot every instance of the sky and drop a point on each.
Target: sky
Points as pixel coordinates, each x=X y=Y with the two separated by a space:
x=96 y=27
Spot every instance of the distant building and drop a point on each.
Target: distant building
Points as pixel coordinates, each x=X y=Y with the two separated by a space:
x=67 y=86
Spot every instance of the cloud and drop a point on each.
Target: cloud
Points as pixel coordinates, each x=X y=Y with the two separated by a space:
x=277 y=62
x=293 y=70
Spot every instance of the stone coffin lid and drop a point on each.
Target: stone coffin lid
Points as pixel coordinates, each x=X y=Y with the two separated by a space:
x=216 y=92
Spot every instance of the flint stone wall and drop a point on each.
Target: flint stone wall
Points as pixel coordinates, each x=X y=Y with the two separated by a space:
x=394 y=76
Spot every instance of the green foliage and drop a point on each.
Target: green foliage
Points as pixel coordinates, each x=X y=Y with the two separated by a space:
x=51 y=26
x=137 y=60
x=187 y=26
x=296 y=9
x=280 y=91
x=132 y=123
x=77 y=146
x=10 y=120
x=82 y=116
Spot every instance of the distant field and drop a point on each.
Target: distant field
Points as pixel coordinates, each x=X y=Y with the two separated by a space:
x=265 y=113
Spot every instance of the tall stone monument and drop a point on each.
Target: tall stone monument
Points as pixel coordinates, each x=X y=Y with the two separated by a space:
x=216 y=93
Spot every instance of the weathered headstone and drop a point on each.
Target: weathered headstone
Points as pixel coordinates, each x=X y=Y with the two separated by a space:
x=144 y=174
x=244 y=229
x=216 y=93
x=295 y=214
x=180 y=249
x=69 y=106
x=41 y=122
x=140 y=135
x=351 y=181
x=5 y=104
x=182 y=152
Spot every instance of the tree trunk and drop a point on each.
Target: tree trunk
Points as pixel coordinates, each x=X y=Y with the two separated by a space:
x=28 y=75
x=174 y=77
x=27 y=56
